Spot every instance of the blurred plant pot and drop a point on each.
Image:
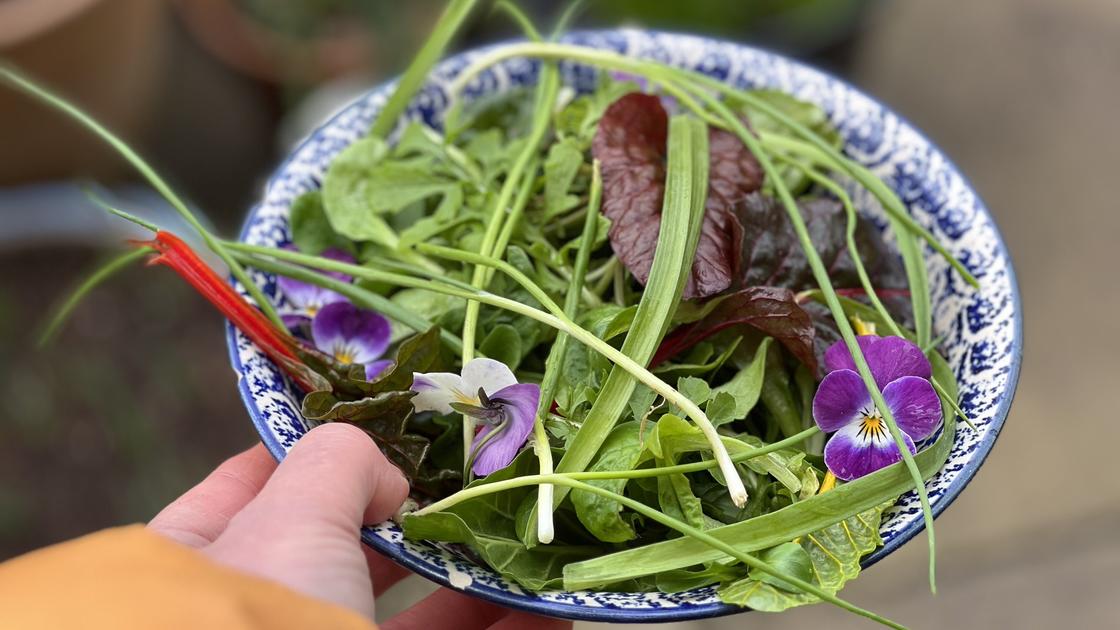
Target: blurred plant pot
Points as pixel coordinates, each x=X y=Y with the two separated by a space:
x=107 y=55
x=329 y=47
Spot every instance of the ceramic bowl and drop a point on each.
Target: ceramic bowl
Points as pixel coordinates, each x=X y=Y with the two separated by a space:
x=983 y=329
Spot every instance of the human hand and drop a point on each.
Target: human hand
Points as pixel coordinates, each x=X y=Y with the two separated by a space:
x=297 y=524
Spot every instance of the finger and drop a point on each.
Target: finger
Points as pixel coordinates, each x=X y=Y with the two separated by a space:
x=435 y=610
x=198 y=517
x=302 y=529
x=525 y=621
x=383 y=572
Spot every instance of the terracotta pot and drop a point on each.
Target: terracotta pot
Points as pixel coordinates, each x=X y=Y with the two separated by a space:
x=106 y=55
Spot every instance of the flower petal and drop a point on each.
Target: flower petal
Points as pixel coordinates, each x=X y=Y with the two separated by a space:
x=840 y=399
x=914 y=405
x=488 y=374
x=294 y=321
x=519 y=406
x=305 y=297
x=888 y=357
x=344 y=328
x=308 y=297
x=435 y=391
x=851 y=454
x=375 y=368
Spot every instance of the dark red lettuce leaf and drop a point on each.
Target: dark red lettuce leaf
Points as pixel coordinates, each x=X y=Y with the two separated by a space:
x=630 y=145
x=772 y=310
x=772 y=255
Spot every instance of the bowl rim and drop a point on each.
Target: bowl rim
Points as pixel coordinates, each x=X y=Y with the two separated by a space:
x=527 y=602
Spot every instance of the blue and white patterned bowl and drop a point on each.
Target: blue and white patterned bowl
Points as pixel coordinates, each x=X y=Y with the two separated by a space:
x=983 y=328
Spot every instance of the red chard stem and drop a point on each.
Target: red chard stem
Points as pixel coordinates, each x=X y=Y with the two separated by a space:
x=278 y=345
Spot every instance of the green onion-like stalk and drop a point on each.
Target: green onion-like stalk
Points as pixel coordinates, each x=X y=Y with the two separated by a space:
x=43 y=95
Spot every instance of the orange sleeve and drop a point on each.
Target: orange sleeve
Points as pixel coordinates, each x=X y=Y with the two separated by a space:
x=129 y=578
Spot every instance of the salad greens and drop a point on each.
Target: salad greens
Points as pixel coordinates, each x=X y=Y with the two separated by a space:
x=604 y=334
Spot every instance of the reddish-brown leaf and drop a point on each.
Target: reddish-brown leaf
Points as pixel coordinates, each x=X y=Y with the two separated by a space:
x=772 y=310
x=630 y=145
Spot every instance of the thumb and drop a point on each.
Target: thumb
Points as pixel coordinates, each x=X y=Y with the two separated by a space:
x=302 y=529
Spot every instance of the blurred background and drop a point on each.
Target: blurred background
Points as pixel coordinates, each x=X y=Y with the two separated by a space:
x=136 y=401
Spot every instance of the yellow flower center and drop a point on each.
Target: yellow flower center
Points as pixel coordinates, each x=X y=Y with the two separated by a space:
x=872 y=427
x=862 y=327
x=344 y=357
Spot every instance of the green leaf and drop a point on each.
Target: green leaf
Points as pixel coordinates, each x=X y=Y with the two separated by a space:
x=311 y=231
x=560 y=169
x=722 y=408
x=709 y=573
x=777 y=394
x=791 y=559
x=487 y=524
x=676 y=436
x=695 y=389
x=603 y=517
x=767 y=530
x=746 y=386
x=429 y=305
x=758 y=595
x=420 y=353
x=503 y=343
x=674 y=492
x=828 y=557
x=345 y=198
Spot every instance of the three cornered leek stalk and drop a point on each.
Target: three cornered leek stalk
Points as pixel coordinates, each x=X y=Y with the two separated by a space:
x=697 y=87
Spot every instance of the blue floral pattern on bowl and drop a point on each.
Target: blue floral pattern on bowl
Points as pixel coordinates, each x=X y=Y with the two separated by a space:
x=983 y=329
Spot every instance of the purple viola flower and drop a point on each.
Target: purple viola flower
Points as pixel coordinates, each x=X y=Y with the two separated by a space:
x=352 y=336
x=306 y=299
x=862 y=443
x=488 y=391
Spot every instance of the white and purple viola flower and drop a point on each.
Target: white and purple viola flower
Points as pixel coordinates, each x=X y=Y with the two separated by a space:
x=862 y=443
x=488 y=391
x=306 y=299
x=352 y=336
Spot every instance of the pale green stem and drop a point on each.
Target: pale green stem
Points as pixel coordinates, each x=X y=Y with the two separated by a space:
x=545 y=529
